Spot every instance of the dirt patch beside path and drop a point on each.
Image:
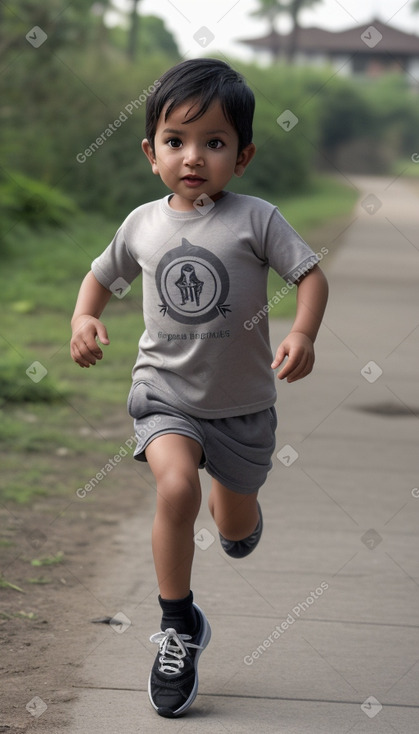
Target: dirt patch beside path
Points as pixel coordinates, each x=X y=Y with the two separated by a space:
x=43 y=632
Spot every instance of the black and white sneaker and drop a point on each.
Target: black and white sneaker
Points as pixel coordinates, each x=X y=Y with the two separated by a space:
x=242 y=548
x=173 y=681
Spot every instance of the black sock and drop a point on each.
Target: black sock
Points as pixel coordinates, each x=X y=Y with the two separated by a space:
x=179 y=614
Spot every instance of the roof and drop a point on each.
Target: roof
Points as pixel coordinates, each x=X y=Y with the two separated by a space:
x=315 y=40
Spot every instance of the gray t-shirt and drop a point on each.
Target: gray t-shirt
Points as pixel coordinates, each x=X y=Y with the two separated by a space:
x=206 y=346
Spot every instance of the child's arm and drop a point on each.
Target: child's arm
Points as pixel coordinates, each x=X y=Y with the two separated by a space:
x=85 y=323
x=312 y=293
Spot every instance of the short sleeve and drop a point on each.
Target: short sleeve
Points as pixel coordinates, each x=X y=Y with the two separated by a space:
x=116 y=262
x=286 y=252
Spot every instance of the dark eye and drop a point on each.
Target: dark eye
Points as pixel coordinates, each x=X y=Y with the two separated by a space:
x=174 y=142
x=215 y=144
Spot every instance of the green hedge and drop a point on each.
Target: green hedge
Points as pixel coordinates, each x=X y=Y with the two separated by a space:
x=73 y=98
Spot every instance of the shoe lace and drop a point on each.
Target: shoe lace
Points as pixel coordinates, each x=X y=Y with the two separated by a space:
x=173 y=648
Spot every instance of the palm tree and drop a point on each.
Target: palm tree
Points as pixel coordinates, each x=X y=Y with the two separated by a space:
x=271 y=9
x=295 y=8
x=132 y=47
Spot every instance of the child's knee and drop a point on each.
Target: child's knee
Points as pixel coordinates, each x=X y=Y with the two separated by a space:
x=178 y=496
x=234 y=514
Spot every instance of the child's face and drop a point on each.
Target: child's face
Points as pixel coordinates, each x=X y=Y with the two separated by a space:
x=196 y=158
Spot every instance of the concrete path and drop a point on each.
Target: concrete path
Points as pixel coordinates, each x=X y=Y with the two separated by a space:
x=317 y=631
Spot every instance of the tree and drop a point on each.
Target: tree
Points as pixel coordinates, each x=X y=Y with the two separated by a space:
x=295 y=8
x=269 y=10
x=132 y=47
x=153 y=39
x=272 y=9
x=64 y=27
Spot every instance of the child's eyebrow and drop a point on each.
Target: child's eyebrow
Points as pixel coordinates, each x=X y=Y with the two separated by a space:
x=216 y=132
x=179 y=132
x=171 y=130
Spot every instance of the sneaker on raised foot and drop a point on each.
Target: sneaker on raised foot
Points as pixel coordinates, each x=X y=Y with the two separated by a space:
x=173 y=681
x=242 y=548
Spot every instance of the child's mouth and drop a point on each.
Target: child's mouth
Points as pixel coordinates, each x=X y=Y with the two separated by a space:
x=193 y=181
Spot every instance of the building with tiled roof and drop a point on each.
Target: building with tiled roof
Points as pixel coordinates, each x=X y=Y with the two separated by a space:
x=372 y=49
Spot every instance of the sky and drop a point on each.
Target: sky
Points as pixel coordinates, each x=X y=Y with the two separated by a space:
x=227 y=20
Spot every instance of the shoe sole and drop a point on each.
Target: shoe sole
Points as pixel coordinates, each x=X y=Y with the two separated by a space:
x=206 y=636
x=233 y=552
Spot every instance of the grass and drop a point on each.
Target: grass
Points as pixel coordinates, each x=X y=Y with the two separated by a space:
x=407 y=166
x=39 y=422
x=48 y=427
x=8 y=585
x=48 y=560
x=325 y=201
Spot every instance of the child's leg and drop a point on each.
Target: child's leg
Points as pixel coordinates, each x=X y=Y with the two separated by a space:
x=236 y=515
x=174 y=461
x=173 y=681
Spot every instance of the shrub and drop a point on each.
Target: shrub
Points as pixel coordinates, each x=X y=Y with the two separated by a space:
x=17 y=387
x=24 y=201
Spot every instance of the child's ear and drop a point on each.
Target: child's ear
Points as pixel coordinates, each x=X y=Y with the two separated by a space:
x=148 y=150
x=244 y=158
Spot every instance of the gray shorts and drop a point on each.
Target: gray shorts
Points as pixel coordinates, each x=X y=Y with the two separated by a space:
x=236 y=451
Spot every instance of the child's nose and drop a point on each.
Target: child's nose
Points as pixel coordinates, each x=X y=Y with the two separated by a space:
x=193 y=156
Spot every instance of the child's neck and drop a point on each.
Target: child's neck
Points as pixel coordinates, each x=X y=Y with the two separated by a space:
x=185 y=205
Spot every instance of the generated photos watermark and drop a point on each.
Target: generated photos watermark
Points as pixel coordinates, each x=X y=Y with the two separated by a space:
x=204 y=539
x=129 y=108
x=113 y=461
x=371 y=538
x=281 y=293
x=371 y=203
x=204 y=36
x=36 y=707
x=279 y=629
x=287 y=120
x=287 y=455
x=36 y=36
x=36 y=371
x=371 y=371
x=371 y=707
x=203 y=204
x=120 y=623
x=371 y=36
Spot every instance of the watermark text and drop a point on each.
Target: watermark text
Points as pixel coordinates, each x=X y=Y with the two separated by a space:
x=280 y=294
x=292 y=617
x=113 y=126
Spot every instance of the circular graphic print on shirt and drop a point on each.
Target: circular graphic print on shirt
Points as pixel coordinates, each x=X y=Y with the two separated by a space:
x=193 y=284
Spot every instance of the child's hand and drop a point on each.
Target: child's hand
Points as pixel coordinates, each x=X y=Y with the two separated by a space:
x=83 y=346
x=299 y=349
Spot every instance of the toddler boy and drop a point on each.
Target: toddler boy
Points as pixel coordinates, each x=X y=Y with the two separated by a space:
x=203 y=389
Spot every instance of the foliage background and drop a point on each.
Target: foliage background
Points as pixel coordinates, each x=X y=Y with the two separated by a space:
x=58 y=98
x=57 y=214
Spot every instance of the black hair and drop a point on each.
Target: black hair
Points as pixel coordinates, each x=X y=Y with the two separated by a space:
x=201 y=81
